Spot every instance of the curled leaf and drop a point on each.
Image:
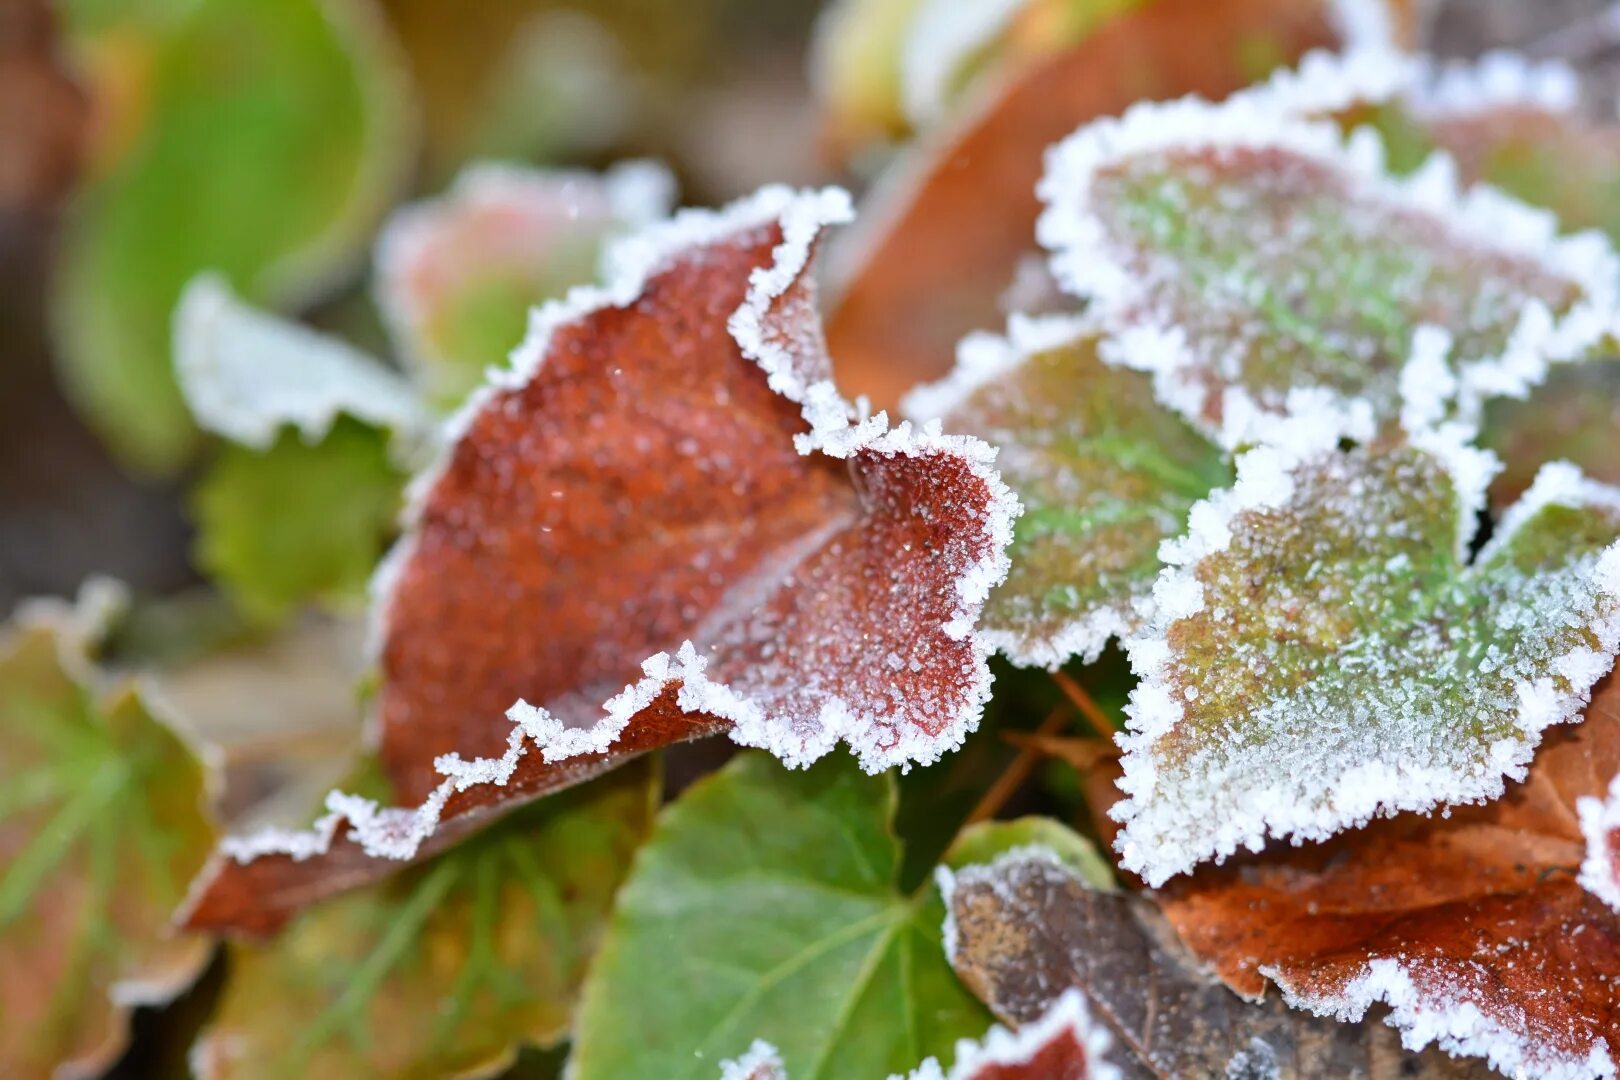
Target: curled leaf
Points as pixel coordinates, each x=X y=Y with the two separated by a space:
x=457 y=275
x=633 y=490
x=955 y=218
x=1323 y=651
x=103 y=819
x=1240 y=253
x=767 y=904
x=1026 y=929
x=1104 y=472
x=446 y=969
x=1471 y=928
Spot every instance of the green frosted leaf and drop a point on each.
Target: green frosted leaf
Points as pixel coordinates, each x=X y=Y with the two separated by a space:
x=765 y=906
x=1104 y=472
x=103 y=823
x=1574 y=416
x=457 y=275
x=1243 y=254
x=987 y=841
x=274 y=132
x=1323 y=650
x=447 y=969
x=297 y=522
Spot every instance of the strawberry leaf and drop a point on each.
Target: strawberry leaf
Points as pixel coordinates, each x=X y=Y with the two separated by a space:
x=1324 y=652
x=1471 y=928
x=457 y=275
x=955 y=218
x=1105 y=474
x=446 y=969
x=273 y=135
x=766 y=902
x=633 y=490
x=1242 y=254
x=103 y=820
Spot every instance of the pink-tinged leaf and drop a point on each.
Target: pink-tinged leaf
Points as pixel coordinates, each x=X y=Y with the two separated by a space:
x=1600 y=824
x=669 y=470
x=762 y=1062
x=103 y=820
x=956 y=215
x=1323 y=650
x=1063 y=1044
x=1471 y=928
x=1105 y=474
x=457 y=275
x=1241 y=253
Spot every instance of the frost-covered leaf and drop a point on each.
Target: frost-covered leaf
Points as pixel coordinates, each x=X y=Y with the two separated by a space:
x=1105 y=474
x=1600 y=824
x=444 y=970
x=1064 y=1044
x=457 y=275
x=1241 y=253
x=1471 y=928
x=762 y=1062
x=1026 y=929
x=103 y=820
x=765 y=906
x=297 y=522
x=957 y=214
x=1323 y=650
x=247 y=375
x=273 y=134
x=1573 y=416
x=633 y=491
x=986 y=841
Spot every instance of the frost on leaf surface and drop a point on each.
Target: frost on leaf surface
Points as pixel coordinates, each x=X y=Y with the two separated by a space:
x=446 y=969
x=457 y=275
x=1323 y=651
x=1104 y=472
x=762 y=1062
x=640 y=541
x=1064 y=1044
x=941 y=240
x=1025 y=929
x=1471 y=928
x=102 y=823
x=1600 y=824
x=767 y=905
x=1238 y=253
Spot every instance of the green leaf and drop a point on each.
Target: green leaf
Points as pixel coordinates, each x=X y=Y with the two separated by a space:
x=1244 y=256
x=297 y=522
x=1104 y=472
x=988 y=840
x=103 y=822
x=447 y=969
x=1574 y=416
x=765 y=907
x=1324 y=651
x=458 y=274
x=273 y=134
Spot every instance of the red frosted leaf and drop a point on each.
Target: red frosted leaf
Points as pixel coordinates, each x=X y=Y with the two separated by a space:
x=1600 y=823
x=1471 y=928
x=1063 y=1044
x=932 y=263
x=625 y=535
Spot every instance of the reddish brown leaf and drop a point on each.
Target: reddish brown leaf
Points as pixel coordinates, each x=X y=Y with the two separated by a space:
x=43 y=113
x=633 y=491
x=933 y=262
x=1600 y=822
x=1026 y=928
x=1472 y=928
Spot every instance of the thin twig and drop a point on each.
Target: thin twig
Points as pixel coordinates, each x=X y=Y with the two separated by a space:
x=1012 y=778
x=1088 y=707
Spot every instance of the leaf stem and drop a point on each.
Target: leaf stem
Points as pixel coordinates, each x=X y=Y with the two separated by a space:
x=1013 y=777
x=1099 y=721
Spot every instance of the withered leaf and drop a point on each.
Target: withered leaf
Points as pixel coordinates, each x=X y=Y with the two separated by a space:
x=930 y=265
x=1471 y=928
x=633 y=490
x=1027 y=929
